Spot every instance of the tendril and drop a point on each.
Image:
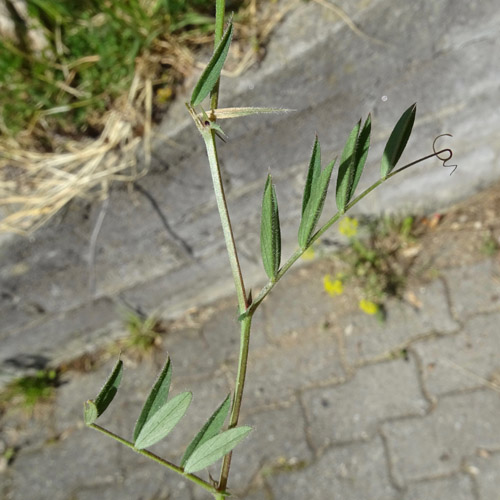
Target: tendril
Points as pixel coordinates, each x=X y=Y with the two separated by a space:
x=447 y=151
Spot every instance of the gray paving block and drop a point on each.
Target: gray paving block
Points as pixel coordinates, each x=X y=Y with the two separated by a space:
x=300 y=360
x=474 y=289
x=146 y=483
x=366 y=339
x=298 y=301
x=466 y=360
x=278 y=439
x=486 y=472
x=62 y=467
x=437 y=444
x=457 y=487
x=353 y=410
x=354 y=472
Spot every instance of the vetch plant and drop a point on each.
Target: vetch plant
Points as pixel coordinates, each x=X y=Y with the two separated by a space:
x=161 y=413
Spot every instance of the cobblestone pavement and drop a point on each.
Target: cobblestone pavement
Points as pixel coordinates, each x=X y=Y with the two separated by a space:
x=343 y=407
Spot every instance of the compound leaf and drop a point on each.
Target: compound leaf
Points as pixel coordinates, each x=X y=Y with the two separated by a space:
x=211 y=74
x=397 y=141
x=156 y=399
x=210 y=429
x=163 y=421
x=215 y=448
x=270 y=234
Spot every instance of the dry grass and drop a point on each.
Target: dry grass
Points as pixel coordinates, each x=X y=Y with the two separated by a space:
x=35 y=184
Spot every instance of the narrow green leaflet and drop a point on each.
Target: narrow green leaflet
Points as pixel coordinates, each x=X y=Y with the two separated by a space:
x=163 y=421
x=397 y=141
x=156 y=399
x=314 y=195
x=215 y=448
x=313 y=173
x=270 y=234
x=210 y=429
x=352 y=163
x=211 y=74
x=95 y=408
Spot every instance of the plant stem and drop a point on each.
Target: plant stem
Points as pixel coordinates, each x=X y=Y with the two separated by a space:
x=156 y=458
x=209 y=138
x=220 y=11
x=238 y=394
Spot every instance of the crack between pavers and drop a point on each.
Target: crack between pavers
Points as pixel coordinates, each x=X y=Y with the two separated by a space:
x=307 y=424
x=390 y=468
x=182 y=247
x=431 y=400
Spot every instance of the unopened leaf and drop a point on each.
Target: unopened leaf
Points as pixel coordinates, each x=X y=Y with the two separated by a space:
x=210 y=429
x=314 y=195
x=397 y=141
x=270 y=235
x=211 y=74
x=352 y=163
x=163 y=421
x=156 y=399
x=215 y=448
x=95 y=408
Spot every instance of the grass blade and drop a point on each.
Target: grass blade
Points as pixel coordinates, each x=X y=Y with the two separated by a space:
x=226 y=113
x=163 y=421
x=397 y=141
x=156 y=399
x=95 y=408
x=210 y=429
x=215 y=448
x=270 y=234
x=211 y=74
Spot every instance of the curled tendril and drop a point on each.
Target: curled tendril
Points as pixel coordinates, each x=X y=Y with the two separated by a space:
x=448 y=152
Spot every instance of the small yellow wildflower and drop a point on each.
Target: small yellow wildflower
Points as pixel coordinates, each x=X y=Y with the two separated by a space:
x=368 y=307
x=332 y=286
x=348 y=227
x=308 y=254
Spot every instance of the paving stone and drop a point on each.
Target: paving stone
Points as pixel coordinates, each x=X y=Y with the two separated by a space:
x=298 y=302
x=487 y=475
x=463 y=361
x=354 y=472
x=437 y=444
x=474 y=289
x=299 y=361
x=146 y=483
x=278 y=439
x=62 y=467
x=353 y=410
x=365 y=338
x=458 y=487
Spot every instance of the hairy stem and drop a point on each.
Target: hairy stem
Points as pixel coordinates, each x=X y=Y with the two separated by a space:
x=238 y=394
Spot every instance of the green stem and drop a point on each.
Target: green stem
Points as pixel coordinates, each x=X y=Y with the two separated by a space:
x=220 y=12
x=209 y=138
x=238 y=394
x=156 y=458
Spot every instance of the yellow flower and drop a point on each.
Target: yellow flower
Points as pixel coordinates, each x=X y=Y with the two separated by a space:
x=332 y=286
x=368 y=307
x=348 y=227
x=308 y=254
